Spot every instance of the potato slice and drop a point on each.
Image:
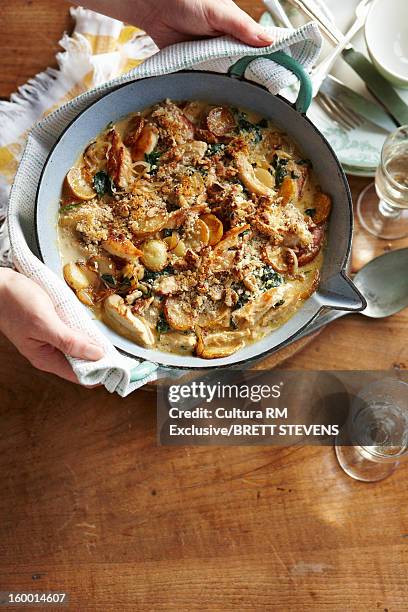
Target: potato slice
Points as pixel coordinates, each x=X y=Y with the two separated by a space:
x=199 y=238
x=75 y=277
x=154 y=255
x=78 y=186
x=121 y=247
x=180 y=249
x=145 y=226
x=322 y=204
x=265 y=177
x=311 y=286
x=178 y=313
x=288 y=191
x=230 y=238
x=215 y=227
x=120 y=317
x=247 y=175
x=219 y=344
x=172 y=240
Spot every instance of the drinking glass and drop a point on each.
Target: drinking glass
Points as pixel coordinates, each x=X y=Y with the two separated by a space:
x=375 y=437
x=382 y=207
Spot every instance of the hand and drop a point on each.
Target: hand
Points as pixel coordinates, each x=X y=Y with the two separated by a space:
x=172 y=21
x=28 y=319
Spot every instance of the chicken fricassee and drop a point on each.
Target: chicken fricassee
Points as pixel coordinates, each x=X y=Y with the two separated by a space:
x=192 y=229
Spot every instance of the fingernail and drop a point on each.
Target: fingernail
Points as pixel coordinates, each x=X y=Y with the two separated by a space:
x=265 y=36
x=93 y=352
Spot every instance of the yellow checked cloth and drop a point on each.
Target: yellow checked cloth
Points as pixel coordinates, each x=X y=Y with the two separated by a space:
x=99 y=49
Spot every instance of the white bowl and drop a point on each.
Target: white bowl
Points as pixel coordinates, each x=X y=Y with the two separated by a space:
x=386 y=33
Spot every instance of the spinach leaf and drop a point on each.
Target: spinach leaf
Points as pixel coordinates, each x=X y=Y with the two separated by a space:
x=214 y=148
x=149 y=276
x=270 y=278
x=162 y=326
x=247 y=126
x=103 y=183
x=68 y=207
x=310 y=212
x=109 y=280
x=153 y=159
x=304 y=162
x=279 y=164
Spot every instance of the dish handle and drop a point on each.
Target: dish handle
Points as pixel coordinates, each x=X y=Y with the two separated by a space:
x=339 y=292
x=305 y=96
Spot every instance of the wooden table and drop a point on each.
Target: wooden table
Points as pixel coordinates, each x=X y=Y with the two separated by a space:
x=91 y=506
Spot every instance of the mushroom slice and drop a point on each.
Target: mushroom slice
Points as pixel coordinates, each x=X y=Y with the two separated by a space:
x=219 y=344
x=120 y=317
x=179 y=313
x=194 y=110
x=247 y=175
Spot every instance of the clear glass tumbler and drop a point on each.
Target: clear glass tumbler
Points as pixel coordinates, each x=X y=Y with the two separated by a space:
x=374 y=439
x=382 y=207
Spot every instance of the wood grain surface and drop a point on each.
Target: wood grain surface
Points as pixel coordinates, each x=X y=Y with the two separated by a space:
x=90 y=505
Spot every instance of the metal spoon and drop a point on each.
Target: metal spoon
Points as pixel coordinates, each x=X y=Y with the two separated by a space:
x=384 y=284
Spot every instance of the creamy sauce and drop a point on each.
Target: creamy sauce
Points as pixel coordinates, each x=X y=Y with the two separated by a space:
x=87 y=225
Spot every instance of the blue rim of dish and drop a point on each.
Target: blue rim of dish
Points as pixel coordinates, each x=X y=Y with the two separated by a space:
x=346 y=257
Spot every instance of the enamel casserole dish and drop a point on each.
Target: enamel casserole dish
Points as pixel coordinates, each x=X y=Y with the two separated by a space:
x=336 y=291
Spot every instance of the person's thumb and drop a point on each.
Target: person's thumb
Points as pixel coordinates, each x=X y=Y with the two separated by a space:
x=69 y=341
x=237 y=23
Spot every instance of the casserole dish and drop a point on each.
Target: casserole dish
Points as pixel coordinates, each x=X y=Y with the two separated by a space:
x=335 y=291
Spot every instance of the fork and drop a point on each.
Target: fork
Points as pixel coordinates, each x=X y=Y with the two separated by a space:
x=320 y=72
x=345 y=117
